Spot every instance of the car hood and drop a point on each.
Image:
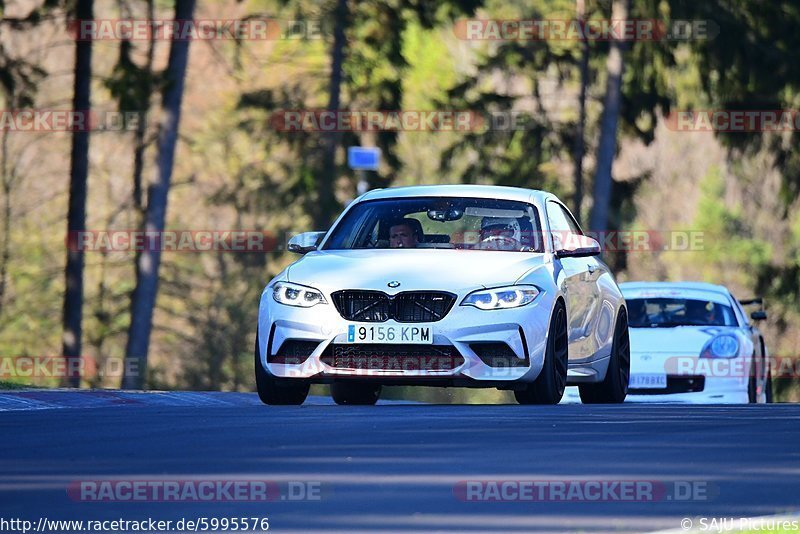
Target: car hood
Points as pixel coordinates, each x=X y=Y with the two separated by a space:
x=426 y=269
x=677 y=341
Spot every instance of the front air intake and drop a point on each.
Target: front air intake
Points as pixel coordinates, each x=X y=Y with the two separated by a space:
x=293 y=352
x=392 y=357
x=497 y=355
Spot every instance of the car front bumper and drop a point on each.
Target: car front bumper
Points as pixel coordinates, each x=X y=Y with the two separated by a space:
x=722 y=381
x=523 y=330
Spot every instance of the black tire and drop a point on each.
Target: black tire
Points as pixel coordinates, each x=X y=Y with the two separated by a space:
x=614 y=387
x=355 y=393
x=768 y=387
x=275 y=391
x=548 y=388
x=752 y=387
x=752 y=395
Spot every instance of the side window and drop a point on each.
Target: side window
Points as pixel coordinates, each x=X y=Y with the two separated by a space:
x=728 y=316
x=561 y=223
x=573 y=226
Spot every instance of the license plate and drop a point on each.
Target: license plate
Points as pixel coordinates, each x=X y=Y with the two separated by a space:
x=371 y=333
x=657 y=381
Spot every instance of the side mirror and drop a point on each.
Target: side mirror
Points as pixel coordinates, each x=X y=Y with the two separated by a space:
x=305 y=242
x=758 y=315
x=578 y=246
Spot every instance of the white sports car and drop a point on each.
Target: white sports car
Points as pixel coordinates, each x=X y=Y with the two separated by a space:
x=467 y=285
x=693 y=342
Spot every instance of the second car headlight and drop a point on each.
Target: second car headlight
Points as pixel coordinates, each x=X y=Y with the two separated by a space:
x=722 y=346
x=501 y=298
x=297 y=295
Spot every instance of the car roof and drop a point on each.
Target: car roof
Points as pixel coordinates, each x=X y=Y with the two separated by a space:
x=459 y=190
x=696 y=286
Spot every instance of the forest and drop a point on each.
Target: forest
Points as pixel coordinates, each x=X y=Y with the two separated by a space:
x=142 y=122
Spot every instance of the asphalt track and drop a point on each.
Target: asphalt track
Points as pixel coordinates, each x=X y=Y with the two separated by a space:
x=395 y=466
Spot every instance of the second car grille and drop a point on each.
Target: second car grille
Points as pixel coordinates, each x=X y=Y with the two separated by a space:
x=675 y=384
x=405 y=307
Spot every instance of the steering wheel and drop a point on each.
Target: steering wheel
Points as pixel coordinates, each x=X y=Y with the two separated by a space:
x=500 y=242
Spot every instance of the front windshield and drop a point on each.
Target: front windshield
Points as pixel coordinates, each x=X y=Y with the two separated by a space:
x=439 y=223
x=669 y=312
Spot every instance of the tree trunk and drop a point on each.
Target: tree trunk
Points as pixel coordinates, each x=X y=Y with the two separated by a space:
x=326 y=204
x=5 y=247
x=580 y=143
x=607 y=146
x=144 y=296
x=76 y=216
x=140 y=143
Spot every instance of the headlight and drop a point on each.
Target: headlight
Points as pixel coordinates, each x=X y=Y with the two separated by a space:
x=297 y=295
x=501 y=298
x=724 y=346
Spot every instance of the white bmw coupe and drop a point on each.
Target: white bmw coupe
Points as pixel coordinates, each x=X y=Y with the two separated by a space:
x=466 y=285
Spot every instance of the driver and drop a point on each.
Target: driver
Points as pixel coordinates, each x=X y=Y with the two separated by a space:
x=404 y=233
x=500 y=233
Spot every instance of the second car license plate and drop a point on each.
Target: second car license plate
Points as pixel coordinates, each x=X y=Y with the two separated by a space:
x=645 y=381
x=400 y=334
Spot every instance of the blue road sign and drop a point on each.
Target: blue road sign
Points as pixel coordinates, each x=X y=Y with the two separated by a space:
x=361 y=158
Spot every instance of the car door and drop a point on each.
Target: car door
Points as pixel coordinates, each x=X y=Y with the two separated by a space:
x=580 y=284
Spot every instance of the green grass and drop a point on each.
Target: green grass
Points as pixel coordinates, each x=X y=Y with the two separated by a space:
x=12 y=385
